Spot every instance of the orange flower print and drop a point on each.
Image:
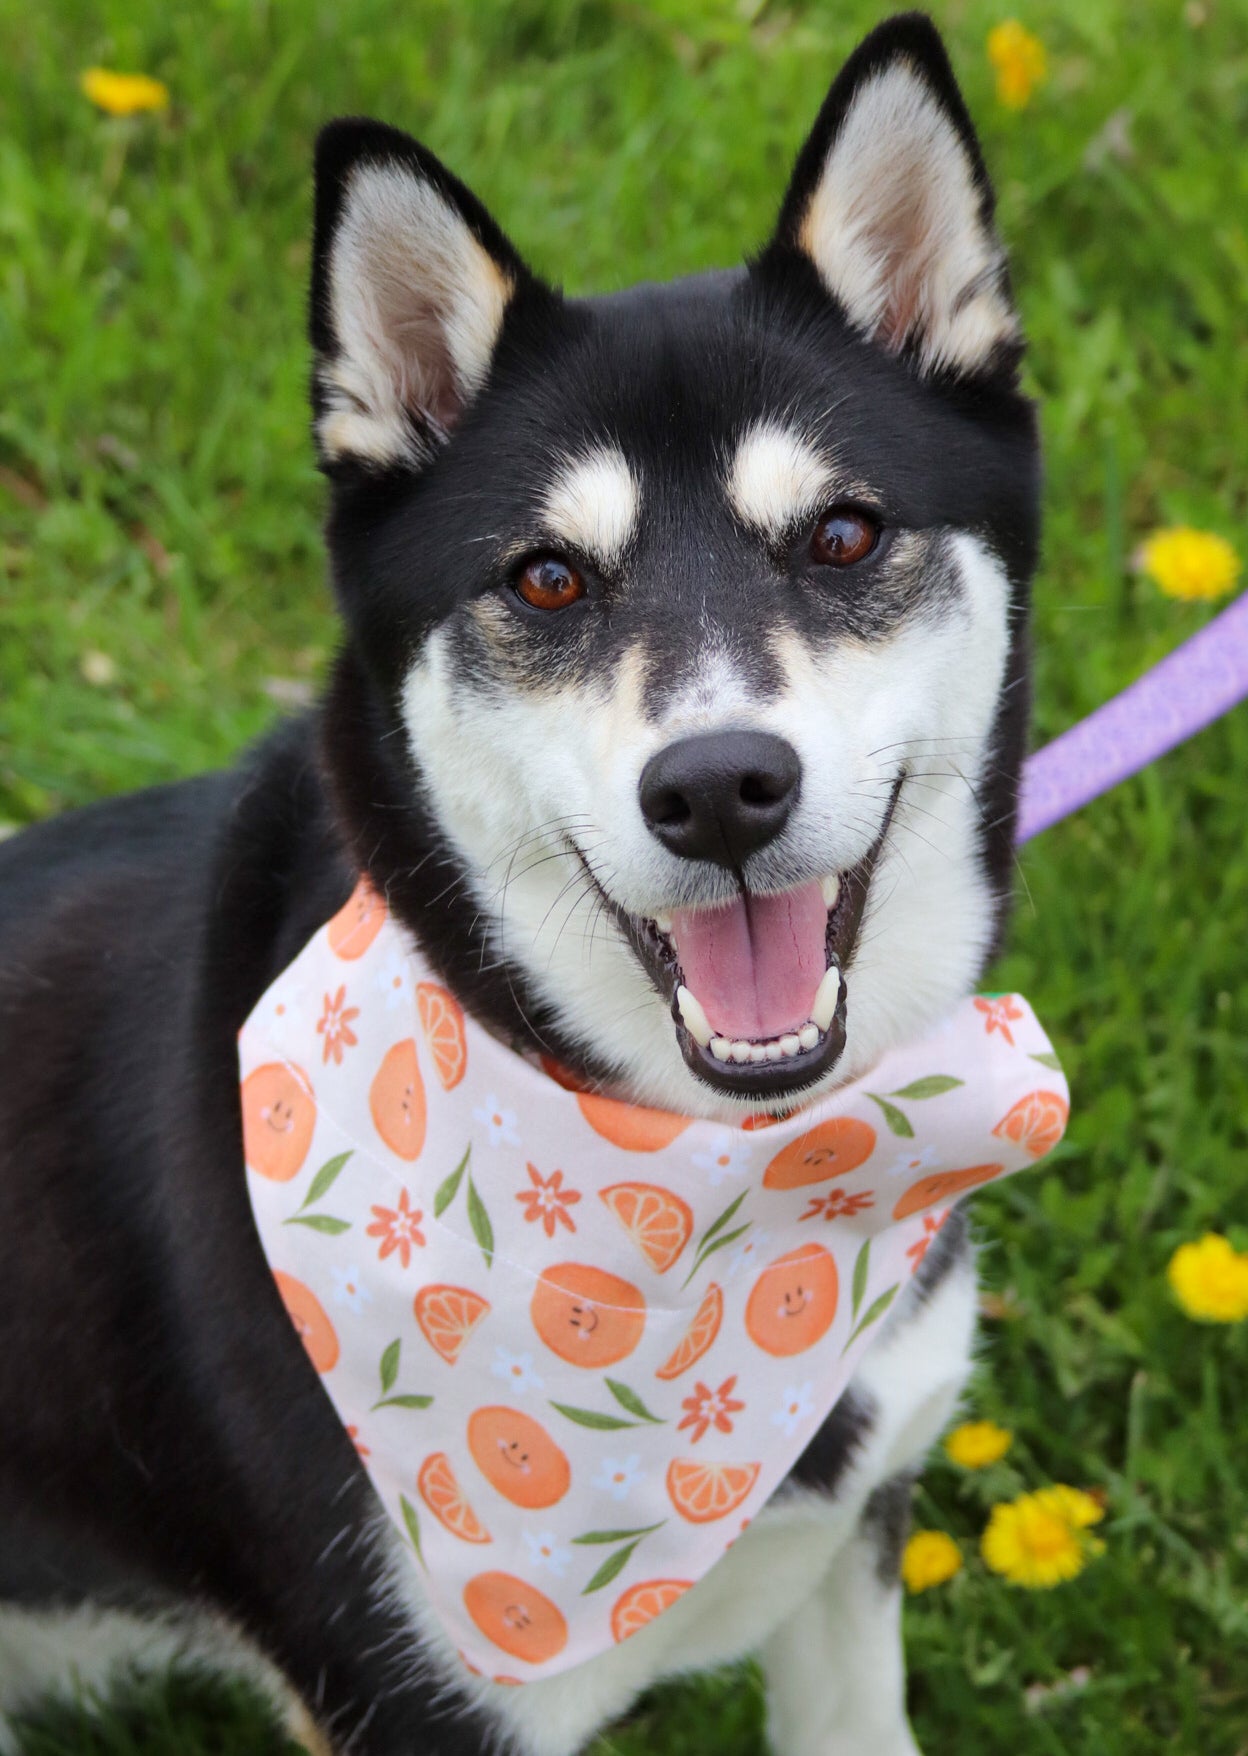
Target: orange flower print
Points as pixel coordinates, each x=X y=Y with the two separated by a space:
x=353 y=1433
x=999 y=1014
x=932 y=1223
x=398 y=1229
x=708 y=1408
x=548 y=1201
x=837 y=1204
x=335 y=1026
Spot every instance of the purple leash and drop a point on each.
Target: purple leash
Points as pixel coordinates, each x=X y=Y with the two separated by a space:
x=1200 y=680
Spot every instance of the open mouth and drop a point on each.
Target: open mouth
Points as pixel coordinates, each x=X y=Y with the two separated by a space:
x=757 y=987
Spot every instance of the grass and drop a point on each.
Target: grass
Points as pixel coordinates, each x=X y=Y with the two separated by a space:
x=161 y=591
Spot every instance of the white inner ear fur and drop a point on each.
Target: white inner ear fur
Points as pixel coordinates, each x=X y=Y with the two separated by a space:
x=593 y=504
x=416 y=304
x=776 y=477
x=895 y=230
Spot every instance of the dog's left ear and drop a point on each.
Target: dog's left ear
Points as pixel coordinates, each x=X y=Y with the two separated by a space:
x=891 y=202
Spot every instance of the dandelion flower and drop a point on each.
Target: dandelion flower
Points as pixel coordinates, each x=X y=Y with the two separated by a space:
x=123 y=94
x=1041 y=1539
x=1190 y=564
x=1019 y=61
x=930 y=1558
x=976 y=1444
x=1210 y=1280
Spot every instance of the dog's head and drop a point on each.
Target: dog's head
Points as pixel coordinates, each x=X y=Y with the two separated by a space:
x=686 y=623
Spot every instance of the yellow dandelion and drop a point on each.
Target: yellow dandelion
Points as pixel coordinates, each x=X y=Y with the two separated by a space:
x=930 y=1558
x=123 y=94
x=1189 y=563
x=976 y=1444
x=1041 y=1539
x=1210 y=1280
x=1019 y=61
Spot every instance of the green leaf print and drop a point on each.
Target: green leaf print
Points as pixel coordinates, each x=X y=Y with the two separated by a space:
x=861 y=1265
x=715 y=1238
x=390 y=1366
x=618 y=1536
x=613 y=1565
x=325 y=1178
x=449 y=1188
x=935 y=1085
x=630 y=1400
x=479 y=1220
x=874 y=1314
x=413 y=1526
x=587 y=1417
x=319 y=1222
x=893 y=1116
x=1048 y=1059
x=404 y=1401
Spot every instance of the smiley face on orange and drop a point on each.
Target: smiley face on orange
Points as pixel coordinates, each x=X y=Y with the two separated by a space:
x=832 y=1149
x=279 y=1116
x=517 y=1456
x=585 y=1315
x=397 y=1101
x=943 y=1186
x=312 y=1326
x=793 y=1302
x=519 y=1619
x=357 y=922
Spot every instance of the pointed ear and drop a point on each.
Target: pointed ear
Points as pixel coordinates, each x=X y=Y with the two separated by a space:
x=411 y=280
x=891 y=203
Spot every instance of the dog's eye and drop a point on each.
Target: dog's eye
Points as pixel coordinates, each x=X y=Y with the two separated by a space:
x=549 y=584
x=843 y=536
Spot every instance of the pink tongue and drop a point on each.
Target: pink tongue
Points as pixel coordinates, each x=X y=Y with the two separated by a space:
x=756 y=964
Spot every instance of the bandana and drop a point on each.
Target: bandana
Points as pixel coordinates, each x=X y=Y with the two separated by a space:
x=577 y=1342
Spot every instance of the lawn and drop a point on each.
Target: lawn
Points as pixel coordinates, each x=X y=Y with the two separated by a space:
x=162 y=598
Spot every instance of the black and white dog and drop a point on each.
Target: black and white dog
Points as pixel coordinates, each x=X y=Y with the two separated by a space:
x=672 y=600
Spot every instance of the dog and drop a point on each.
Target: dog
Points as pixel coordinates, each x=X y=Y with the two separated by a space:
x=656 y=606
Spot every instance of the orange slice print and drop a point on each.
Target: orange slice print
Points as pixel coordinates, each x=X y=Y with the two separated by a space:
x=279 y=1117
x=397 y=1101
x=698 y=1337
x=311 y=1324
x=520 y=1620
x=447 y=1317
x=793 y=1302
x=442 y=1020
x=1036 y=1122
x=357 y=922
x=642 y=1603
x=833 y=1149
x=658 y=1222
x=631 y=1126
x=585 y=1315
x=440 y=1492
x=703 y=1492
x=517 y=1456
x=942 y=1186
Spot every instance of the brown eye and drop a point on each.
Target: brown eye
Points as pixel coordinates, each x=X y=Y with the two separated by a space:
x=547 y=584
x=842 y=537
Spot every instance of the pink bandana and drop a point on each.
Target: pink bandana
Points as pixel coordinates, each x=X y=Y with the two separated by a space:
x=578 y=1343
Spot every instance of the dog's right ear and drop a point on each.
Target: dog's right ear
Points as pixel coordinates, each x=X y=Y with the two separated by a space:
x=411 y=281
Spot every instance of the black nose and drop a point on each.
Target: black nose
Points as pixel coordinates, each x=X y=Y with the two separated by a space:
x=721 y=795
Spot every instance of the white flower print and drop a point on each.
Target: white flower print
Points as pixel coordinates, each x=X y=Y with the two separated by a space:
x=516 y=1370
x=350 y=1289
x=909 y=1164
x=499 y=1124
x=796 y=1405
x=618 y=1476
x=748 y=1254
x=544 y=1551
x=727 y=1156
x=394 y=981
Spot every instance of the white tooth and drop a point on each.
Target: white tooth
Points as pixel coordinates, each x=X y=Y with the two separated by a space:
x=721 y=1048
x=808 y=1036
x=831 y=888
x=741 y=1053
x=757 y=1053
x=774 y=1051
x=663 y=923
x=790 y=1045
x=696 y=1021
x=826 y=996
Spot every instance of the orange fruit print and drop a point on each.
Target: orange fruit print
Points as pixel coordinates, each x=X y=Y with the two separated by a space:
x=519 y=1619
x=440 y=1492
x=703 y=1492
x=357 y=922
x=631 y=1126
x=447 y=1317
x=793 y=1302
x=311 y=1324
x=442 y=1020
x=397 y=1101
x=942 y=1186
x=658 y=1222
x=1036 y=1122
x=699 y=1336
x=832 y=1149
x=279 y=1117
x=585 y=1315
x=642 y=1603
x=517 y=1456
